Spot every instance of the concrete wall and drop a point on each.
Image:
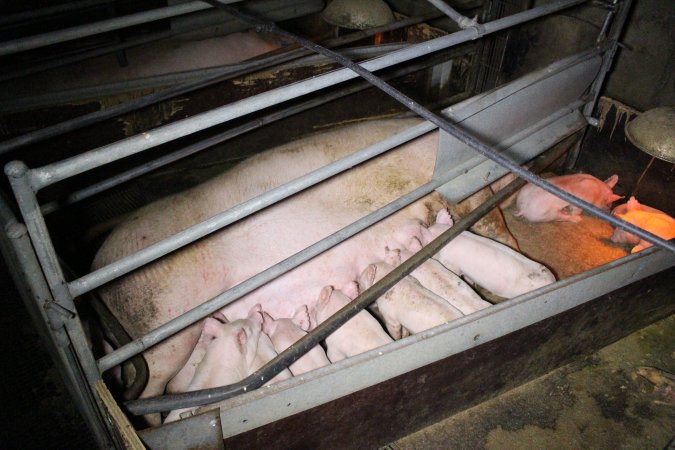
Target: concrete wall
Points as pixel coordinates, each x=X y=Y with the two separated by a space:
x=644 y=74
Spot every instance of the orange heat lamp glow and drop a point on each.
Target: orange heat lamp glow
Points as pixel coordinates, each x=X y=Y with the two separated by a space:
x=378 y=38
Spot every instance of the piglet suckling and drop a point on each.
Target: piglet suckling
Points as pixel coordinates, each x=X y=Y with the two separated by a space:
x=408 y=307
x=284 y=332
x=229 y=354
x=265 y=351
x=538 y=205
x=492 y=265
x=438 y=279
x=358 y=335
x=650 y=219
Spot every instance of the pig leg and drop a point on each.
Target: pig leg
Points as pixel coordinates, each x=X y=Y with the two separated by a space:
x=394 y=327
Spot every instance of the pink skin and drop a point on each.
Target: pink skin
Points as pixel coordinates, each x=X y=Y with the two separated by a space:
x=492 y=265
x=438 y=279
x=650 y=219
x=285 y=332
x=149 y=297
x=229 y=351
x=360 y=334
x=408 y=307
x=538 y=205
x=265 y=351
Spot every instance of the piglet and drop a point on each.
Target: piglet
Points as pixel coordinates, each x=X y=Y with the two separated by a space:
x=360 y=334
x=285 y=332
x=229 y=351
x=650 y=219
x=492 y=265
x=408 y=307
x=265 y=351
x=538 y=205
x=438 y=279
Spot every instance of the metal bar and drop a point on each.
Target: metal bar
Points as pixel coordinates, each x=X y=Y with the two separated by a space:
x=46 y=175
x=154 y=82
x=54 y=37
x=318 y=334
x=619 y=22
x=123 y=177
x=462 y=21
x=21 y=261
x=199 y=312
x=227 y=73
x=452 y=129
x=165 y=246
x=32 y=14
x=253 y=283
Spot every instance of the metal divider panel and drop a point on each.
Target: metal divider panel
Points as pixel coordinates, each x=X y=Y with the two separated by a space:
x=497 y=116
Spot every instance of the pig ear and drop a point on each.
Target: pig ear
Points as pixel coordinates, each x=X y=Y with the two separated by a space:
x=267 y=322
x=632 y=203
x=392 y=256
x=444 y=217
x=255 y=315
x=212 y=328
x=301 y=318
x=611 y=181
x=414 y=245
x=325 y=293
x=351 y=289
x=613 y=197
x=371 y=271
x=242 y=338
x=220 y=317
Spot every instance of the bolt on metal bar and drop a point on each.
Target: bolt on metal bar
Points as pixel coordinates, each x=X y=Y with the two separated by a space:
x=227 y=73
x=452 y=129
x=123 y=177
x=165 y=246
x=462 y=21
x=619 y=19
x=54 y=37
x=53 y=173
x=323 y=330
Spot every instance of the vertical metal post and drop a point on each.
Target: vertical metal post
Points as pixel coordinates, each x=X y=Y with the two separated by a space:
x=70 y=341
x=616 y=29
x=28 y=277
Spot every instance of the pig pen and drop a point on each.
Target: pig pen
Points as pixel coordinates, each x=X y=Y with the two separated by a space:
x=425 y=377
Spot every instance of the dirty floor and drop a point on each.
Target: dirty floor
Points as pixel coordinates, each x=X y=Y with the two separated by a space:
x=596 y=402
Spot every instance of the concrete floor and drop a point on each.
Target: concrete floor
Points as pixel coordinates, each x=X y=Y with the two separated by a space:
x=596 y=402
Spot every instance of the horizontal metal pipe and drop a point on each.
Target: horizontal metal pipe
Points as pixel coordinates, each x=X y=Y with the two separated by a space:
x=54 y=37
x=53 y=173
x=465 y=137
x=165 y=246
x=227 y=72
x=323 y=330
x=32 y=14
x=199 y=312
x=123 y=177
